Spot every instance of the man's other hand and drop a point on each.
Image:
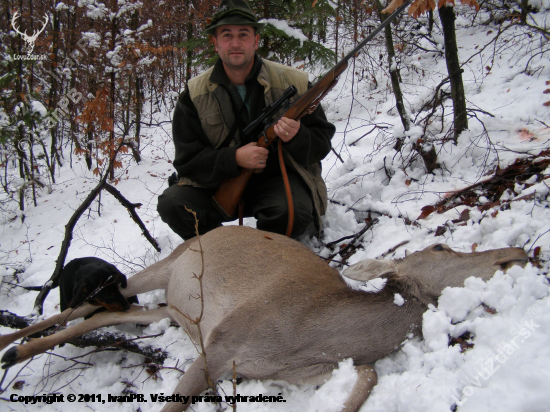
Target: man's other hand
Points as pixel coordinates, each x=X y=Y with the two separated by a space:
x=286 y=128
x=251 y=156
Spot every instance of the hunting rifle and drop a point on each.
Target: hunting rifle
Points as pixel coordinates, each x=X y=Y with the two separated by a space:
x=227 y=197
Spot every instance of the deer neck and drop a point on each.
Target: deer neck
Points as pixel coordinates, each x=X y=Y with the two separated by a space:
x=380 y=321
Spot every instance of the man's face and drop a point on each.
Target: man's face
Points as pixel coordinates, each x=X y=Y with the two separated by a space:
x=236 y=46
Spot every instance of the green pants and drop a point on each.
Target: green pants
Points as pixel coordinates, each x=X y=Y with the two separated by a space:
x=265 y=201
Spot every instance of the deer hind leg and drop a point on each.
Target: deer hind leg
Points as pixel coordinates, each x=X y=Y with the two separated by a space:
x=156 y=276
x=366 y=380
x=136 y=314
x=58 y=319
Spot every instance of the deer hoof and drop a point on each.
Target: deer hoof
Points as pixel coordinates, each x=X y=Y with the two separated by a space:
x=10 y=358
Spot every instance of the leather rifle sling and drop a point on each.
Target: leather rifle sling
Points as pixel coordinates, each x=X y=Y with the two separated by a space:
x=288 y=190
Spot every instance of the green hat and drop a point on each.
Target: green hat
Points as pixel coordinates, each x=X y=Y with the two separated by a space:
x=234 y=12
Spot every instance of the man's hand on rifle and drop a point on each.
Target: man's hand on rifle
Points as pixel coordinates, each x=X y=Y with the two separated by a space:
x=286 y=128
x=251 y=156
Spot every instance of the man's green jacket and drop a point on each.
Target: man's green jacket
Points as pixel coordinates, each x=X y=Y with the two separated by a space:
x=205 y=113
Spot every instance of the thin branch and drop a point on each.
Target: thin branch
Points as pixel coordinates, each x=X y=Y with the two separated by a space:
x=356 y=237
x=393 y=249
x=132 y=210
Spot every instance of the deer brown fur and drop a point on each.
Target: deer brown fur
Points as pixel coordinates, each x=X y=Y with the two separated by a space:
x=278 y=311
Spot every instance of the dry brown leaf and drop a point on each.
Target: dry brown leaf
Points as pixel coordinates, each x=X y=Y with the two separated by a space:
x=465 y=215
x=426 y=211
x=419 y=7
x=392 y=6
x=440 y=231
x=471 y=3
x=414 y=8
x=18 y=385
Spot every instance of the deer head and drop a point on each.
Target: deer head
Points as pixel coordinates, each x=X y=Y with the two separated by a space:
x=29 y=40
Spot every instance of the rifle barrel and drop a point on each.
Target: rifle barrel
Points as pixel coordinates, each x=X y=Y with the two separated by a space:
x=378 y=29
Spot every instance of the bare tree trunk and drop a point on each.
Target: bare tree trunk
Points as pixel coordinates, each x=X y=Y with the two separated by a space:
x=355 y=15
x=336 y=31
x=265 y=44
x=54 y=93
x=310 y=38
x=139 y=110
x=447 y=16
x=113 y=90
x=394 y=74
x=189 y=57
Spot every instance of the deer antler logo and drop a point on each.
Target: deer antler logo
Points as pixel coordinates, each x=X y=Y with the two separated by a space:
x=28 y=39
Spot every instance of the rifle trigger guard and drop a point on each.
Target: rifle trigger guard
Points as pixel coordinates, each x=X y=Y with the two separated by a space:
x=266 y=140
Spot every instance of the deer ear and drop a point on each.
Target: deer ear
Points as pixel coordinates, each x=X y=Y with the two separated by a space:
x=371 y=269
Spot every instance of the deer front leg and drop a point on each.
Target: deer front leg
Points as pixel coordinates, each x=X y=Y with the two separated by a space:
x=65 y=316
x=366 y=380
x=136 y=314
x=195 y=379
x=192 y=383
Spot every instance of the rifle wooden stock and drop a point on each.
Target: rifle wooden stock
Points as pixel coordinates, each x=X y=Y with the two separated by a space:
x=227 y=197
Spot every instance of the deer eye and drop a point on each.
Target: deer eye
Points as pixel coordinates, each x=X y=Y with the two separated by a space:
x=438 y=248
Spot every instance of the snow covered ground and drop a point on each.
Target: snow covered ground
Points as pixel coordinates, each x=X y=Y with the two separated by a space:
x=506 y=320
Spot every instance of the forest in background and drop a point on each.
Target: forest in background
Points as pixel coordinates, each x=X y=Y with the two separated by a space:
x=103 y=69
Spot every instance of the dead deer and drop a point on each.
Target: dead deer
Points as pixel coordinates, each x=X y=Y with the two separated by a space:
x=277 y=310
